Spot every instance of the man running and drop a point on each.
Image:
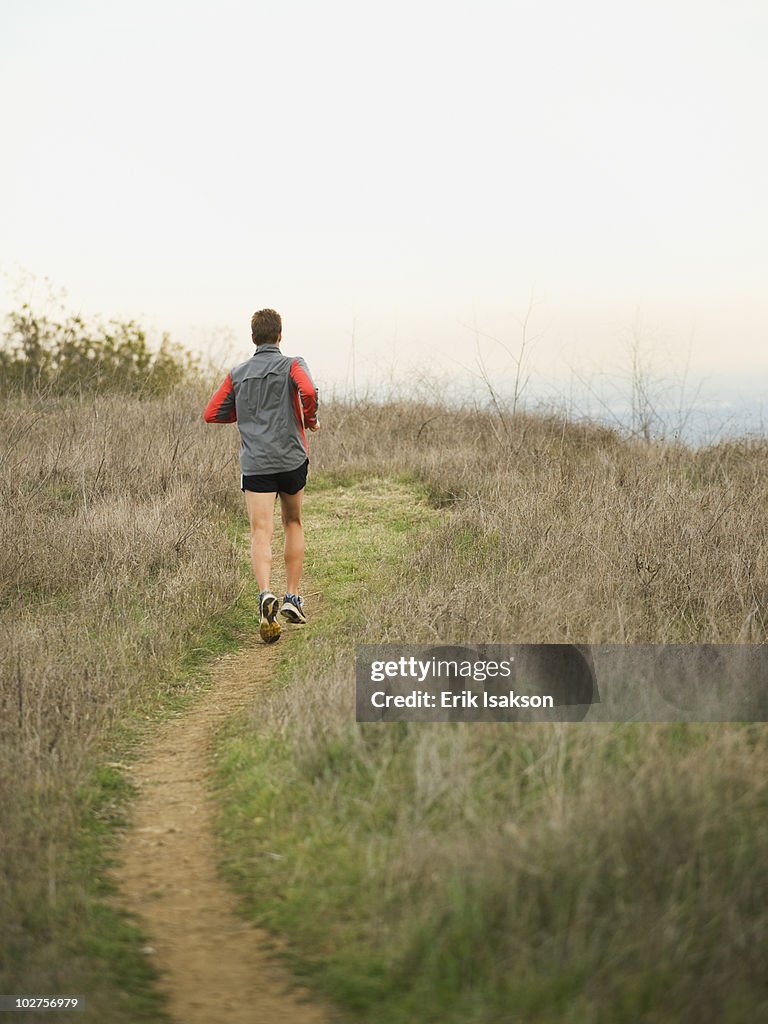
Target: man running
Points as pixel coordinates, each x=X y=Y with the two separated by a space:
x=271 y=397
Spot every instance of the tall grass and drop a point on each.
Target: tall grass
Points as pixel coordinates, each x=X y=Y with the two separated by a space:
x=484 y=873
x=566 y=532
x=113 y=552
x=462 y=873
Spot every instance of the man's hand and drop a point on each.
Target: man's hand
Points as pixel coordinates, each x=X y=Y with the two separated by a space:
x=316 y=427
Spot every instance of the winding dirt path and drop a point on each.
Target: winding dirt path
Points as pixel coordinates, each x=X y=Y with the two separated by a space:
x=216 y=967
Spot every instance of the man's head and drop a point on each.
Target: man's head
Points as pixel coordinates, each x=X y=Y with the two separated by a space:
x=266 y=327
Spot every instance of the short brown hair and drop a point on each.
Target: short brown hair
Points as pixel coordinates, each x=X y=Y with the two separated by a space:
x=266 y=327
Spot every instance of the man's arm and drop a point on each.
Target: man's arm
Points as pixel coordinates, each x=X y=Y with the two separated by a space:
x=221 y=408
x=307 y=391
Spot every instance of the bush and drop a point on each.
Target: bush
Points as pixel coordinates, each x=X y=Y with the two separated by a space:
x=73 y=356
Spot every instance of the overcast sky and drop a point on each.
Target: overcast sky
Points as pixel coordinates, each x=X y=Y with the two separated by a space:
x=406 y=170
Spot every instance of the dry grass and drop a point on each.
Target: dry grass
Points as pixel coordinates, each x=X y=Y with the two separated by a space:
x=580 y=871
x=564 y=532
x=489 y=873
x=113 y=553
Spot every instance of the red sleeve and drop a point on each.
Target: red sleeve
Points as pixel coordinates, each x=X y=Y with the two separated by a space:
x=307 y=391
x=221 y=408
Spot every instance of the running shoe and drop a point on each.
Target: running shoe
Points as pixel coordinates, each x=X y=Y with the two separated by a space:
x=269 y=627
x=293 y=608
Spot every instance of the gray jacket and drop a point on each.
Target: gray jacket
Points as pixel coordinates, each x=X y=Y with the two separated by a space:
x=271 y=397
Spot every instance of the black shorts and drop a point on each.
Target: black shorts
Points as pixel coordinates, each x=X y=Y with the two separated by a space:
x=290 y=482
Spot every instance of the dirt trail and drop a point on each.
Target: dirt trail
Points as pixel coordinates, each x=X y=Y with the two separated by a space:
x=216 y=967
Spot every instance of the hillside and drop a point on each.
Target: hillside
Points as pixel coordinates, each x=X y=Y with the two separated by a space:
x=570 y=873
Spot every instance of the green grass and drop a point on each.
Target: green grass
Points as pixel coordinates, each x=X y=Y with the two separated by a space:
x=97 y=947
x=485 y=874
x=119 y=978
x=109 y=938
x=356 y=537
x=563 y=875
x=75 y=942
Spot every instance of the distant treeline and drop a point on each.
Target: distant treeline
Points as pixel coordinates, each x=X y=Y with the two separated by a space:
x=72 y=355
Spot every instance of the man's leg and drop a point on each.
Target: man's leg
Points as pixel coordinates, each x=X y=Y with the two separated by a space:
x=290 y=509
x=261 y=510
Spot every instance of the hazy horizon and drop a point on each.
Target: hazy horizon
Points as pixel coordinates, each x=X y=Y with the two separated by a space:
x=408 y=176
